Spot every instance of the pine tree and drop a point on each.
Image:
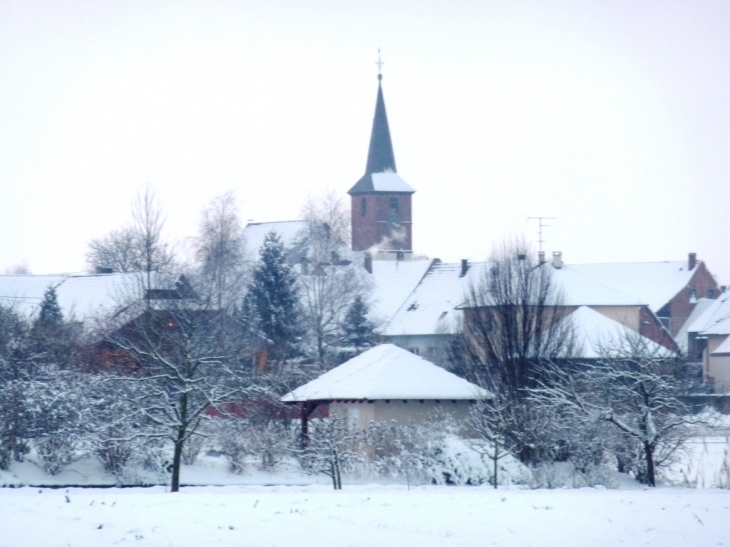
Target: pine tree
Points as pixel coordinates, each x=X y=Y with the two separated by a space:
x=53 y=338
x=50 y=316
x=357 y=329
x=273 y=299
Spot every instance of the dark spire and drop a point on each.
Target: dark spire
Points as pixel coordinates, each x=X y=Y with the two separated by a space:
x=380 y=154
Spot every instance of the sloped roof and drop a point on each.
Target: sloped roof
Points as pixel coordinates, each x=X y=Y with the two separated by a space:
x=433 y=305
x=380 y=172
x=716 y=319
x=255 y=232
x=386 y=181
x=703 y=304
x=79 y=296
x=386 y=372
x=598 y=334
x=393 y=281
x=655 y=283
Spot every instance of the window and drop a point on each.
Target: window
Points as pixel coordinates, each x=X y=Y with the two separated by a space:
x=692 y=295
x=363 y=207
x=393 y=207
x=415 y=351
x=710 y=293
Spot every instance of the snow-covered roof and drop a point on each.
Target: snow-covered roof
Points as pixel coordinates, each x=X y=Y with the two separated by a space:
x=386 y=372
x=716 y=318
x=390 y=181
x=682 y=337
x=393 y=281
x=431 y=308
x=25 y=292
x=79 y=296
x=255 y=232
x=597 y=335
x=655 y=283
x=580 y=289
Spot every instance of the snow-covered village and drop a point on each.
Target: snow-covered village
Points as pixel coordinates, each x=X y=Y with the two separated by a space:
x=217 y=328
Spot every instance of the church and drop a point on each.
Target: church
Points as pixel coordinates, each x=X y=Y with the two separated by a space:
x=381 y=206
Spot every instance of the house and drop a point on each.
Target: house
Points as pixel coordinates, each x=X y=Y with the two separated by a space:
x=433 y=311
x=387 y=383
x=669 y=289
x=710 y=334
x=81 y=297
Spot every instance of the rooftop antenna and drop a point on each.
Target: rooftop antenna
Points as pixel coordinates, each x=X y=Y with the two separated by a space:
x=379 y=63
x=540 y=226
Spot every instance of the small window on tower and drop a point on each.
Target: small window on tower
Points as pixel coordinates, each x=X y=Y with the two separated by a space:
x=363 y=207
x=393 y=206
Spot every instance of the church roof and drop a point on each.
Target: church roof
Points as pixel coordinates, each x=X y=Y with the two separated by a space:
x=380 y=172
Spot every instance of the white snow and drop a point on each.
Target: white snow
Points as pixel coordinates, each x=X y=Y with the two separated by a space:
x=600 y=334
x=715 y=319
x=393 y=281
x=724 y=348
x=654 y=283
x=386 y=372
x=80 y=296
x=367 y=516
x=255 y=232
x=389 y=181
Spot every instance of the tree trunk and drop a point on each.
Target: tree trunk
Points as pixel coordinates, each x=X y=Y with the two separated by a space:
x=496 y=459
x=177 y=455
x=176 y=459
x=649 y=452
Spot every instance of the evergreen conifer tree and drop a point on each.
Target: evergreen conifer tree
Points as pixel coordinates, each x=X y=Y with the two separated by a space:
x=53 y=338
x=50 y=316
x=273 y=299
x=357 y=329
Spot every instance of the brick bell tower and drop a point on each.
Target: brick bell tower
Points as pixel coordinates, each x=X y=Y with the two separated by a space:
x=381 y=200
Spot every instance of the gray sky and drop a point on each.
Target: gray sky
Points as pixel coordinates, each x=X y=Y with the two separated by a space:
x=612 y=116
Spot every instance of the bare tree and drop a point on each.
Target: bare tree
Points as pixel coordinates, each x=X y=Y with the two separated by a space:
x=326 y=295
x=487 y=422
x=183 y=364
x=331 y=449
x=328 y=225
x=220 y=250
x=138 y=247
x=514 y=326
x=636 y=389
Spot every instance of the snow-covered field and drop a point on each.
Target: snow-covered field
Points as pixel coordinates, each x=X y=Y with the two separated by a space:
x=363 y=516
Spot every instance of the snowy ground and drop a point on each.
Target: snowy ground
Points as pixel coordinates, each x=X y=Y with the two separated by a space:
x=363 y=516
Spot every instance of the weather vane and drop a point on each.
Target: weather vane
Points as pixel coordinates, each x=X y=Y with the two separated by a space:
x=380 y=64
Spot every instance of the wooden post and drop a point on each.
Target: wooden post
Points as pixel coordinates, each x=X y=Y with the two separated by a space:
x=307 y=409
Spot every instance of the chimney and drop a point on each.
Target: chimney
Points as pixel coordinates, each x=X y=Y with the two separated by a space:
x=557 y=260
x=522 y=257
x=541 y=257
x=305 y=265
x=692 y=261
x=368 y=262
x=464 y=267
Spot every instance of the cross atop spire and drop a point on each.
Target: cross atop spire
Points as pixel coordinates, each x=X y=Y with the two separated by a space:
x=379 y=63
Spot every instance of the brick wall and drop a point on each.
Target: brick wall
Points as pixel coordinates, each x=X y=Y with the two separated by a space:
x=681 y=306
x=372 y=228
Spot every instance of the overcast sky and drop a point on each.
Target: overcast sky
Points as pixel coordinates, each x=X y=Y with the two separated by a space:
x=612 y=116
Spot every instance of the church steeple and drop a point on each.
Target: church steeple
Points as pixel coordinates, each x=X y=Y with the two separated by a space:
x=380 y=154
x=381 y=200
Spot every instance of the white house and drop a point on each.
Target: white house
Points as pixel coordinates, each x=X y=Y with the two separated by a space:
x=387 y=383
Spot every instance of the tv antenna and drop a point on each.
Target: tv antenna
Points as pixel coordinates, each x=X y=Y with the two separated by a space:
x=540 y=225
